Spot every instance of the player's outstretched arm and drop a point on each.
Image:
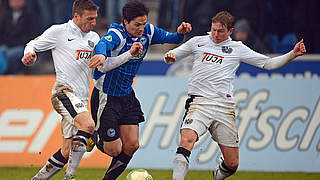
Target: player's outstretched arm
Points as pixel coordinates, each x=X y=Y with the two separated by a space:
x=279 y=61
x=184 y=28
x=29 y=58
x=105 y=64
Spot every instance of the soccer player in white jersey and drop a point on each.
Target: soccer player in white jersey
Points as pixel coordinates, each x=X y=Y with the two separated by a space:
x=72 y=45
x=211 y=105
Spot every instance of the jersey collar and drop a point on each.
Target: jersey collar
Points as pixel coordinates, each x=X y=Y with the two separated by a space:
x=76 y=28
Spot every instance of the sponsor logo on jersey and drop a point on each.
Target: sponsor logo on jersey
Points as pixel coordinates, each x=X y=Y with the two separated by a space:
x=108 y=38
x=83 y=55
x=227 y=49
x=212 y=58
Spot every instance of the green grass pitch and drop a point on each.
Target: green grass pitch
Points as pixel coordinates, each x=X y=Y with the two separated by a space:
x=19 y=173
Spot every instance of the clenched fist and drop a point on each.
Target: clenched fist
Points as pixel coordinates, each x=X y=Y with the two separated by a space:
x=29 y=58
x=136 y=49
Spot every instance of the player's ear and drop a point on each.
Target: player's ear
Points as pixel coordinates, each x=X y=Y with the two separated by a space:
x=125 y=22
x=231 y=31
x=76 y=15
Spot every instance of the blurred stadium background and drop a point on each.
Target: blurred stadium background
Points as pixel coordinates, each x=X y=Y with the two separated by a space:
x=278 y=111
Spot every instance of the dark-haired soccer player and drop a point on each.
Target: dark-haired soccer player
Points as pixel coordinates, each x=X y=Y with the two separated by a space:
x=114 y=106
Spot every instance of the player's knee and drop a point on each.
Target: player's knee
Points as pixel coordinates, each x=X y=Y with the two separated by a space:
x=90 y=127
x=131 y=148
x=87 y=127
x=187 y=141
x=112 y=151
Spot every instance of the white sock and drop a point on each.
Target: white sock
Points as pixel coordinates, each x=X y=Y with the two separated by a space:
x=220 y=175
x=78 y=148
x=180 y=167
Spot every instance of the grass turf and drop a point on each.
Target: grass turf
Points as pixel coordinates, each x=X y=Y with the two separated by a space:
x=21 y=173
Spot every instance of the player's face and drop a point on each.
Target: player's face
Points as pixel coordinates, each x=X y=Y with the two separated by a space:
x=220 y=32
x=87 y=20
x=136 y=26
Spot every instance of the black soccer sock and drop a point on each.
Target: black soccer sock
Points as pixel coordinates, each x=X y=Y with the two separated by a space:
x=58 y=160
x=225 y=170
x=185 y=152
x=117 y=166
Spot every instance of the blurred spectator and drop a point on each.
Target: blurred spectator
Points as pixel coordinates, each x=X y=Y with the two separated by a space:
x=170 y=14
x=19 y=27
x=243 y=32
x=51 y=11
x=254 y=12
x=200 y=12
x=113 y=10
x=306 y=23
x=3 y=60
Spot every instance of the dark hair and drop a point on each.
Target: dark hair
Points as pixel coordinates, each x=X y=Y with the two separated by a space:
x=224 y=18
x=81 y=5
x=134 y=9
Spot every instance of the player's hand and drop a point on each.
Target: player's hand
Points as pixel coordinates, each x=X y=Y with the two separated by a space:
x=184 y=28
x=136 y=49
x=299 y=49
x=97 y=61
x=170 y=58
x=28 y=59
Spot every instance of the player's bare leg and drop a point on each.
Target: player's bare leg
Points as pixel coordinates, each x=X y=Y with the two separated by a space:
x=56 y=162
x=85 y=125
x=181 y=159
x=129 y=135
x=230 y=163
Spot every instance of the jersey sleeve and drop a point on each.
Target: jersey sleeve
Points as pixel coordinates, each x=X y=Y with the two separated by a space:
x=251 y=57
x=161 y=36
x=184 y=50
x=46 y=41
x=107 y=43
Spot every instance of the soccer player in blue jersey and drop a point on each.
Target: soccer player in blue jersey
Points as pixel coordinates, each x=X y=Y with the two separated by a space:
x=114 y=106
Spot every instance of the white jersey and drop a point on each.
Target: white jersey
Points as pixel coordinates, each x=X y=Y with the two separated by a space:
x=215 y=65
x=71 y=51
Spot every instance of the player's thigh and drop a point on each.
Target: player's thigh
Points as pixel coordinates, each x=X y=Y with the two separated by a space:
x=68 y=105
x=129 y=135
x=223 y=130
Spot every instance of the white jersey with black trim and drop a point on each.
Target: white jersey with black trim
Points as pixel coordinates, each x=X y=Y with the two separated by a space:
x=215 y=65
x=71 y=51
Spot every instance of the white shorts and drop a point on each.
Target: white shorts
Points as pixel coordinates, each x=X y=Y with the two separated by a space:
x=220 y=121
x=68 y=105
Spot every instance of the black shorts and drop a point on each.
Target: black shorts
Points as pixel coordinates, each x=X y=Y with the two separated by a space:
x=110 y=112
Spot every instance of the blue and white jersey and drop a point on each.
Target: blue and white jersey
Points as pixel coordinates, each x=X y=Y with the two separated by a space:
x=117 y=40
